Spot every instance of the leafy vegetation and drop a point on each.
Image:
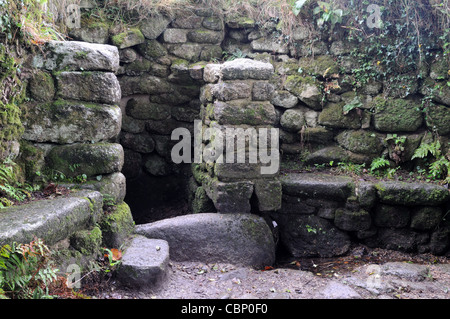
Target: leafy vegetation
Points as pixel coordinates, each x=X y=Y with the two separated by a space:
x=438 y=164
x=11 y=190
x=26 y=271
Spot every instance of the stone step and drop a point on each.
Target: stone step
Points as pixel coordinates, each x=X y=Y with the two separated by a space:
x=144 y=263
x=51 y=220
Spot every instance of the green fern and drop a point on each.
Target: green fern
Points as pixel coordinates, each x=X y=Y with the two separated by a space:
x=26 y=271
x=10 y=189
x=440 y=168
x=379 y=163
x=433 y=148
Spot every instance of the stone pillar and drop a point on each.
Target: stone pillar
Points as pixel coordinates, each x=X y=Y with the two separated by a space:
x=73 y=116
x=239 y=155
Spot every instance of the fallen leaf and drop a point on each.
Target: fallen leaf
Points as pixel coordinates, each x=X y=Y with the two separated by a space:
x=116 y=254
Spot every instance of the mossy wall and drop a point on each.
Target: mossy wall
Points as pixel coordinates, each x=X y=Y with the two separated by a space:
x=335 y=99
x=337 y=95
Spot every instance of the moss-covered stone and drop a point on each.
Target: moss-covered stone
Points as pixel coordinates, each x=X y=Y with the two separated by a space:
x=41 y=86
x=87 y=242
x=201 y=202
x=240 y=22
x=152 y=49
x=322 y=66
x=396 y=115
x=292 y=120
x=97 y=87
x=361 y=141
x=440 y=69
x=307 y=89
x=326 y=155
x=128 y=38
x=439 y=91
x=32 y=159
x=211 y=53
x=268 y=195
x=141 y=108
x=89 y=159
x=213 y=23
x=11 y=128
x=67 y=122
x=426 y=218
x=410 y=194
x=232 y=197
x=391 y=216
x=244 y=112
x=117 y=225
x=92 y=30
x=352 y=220
x=333 y=116
x=205 y=36
x=317 y=135
x=438 y=118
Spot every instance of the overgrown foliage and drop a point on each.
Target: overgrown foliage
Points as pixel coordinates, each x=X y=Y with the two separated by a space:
x=26 y=271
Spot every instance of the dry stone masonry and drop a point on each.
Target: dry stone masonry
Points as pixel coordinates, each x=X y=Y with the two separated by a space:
x=236 y=108
x=104 y=107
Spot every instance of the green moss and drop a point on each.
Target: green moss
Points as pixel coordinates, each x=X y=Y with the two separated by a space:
x=322 y=66
x=202 y=203
x=135 y=35
x=295 y=80
x=333 y=116
x=117 y=225
x=87 y=241
x=361 y=141
x=199 y=172
x=241 y=22
x=41 y=86
x=152 y=49
x=396 y=115
x=31 y=159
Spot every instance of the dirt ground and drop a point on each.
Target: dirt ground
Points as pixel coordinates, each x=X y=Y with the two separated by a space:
x=363 y=274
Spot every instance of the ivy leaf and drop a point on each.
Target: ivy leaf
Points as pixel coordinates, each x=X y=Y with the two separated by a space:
x=298 y=6
x=355 y=103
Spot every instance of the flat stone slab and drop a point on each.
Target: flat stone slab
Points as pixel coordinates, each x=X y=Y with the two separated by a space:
x=67 y=122
x=411 y=194
x=337 y=290
x=241 y=239
x=97 y=87
x=51 y=220
x=78 y=56
x=317 y=186
x=90 y=159
x=239 y=69
x=144 y=263
x=412 y=272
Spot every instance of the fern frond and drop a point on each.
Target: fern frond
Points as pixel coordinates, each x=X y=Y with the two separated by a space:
x=378 y=163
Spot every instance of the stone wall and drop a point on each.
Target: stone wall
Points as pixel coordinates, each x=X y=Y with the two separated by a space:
x=160 y=76
x=315 y=77
x=169 y=76
x=73 y=118
x=322 y=215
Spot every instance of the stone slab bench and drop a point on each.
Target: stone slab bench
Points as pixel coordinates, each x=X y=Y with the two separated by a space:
x=51 y=219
